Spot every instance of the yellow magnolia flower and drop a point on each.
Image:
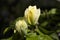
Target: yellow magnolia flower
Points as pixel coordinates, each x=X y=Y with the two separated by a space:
x=32 y=15
x=21 y=25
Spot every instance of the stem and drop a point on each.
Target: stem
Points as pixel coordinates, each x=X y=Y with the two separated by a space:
x=37 y=30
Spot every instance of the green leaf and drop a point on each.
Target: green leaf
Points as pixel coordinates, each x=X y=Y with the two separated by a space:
x=6 y=30
x=52 y=11
x=55 y=36
x=32 y=36
x=58 y=30
x=44 y=30
x=44 y=24
x=46 y=37
x=41 y=36
x=7 y=38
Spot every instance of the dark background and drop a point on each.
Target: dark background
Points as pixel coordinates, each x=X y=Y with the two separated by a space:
x=11 y=9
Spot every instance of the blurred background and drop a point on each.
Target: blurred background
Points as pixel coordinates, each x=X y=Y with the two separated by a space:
x=12 y=9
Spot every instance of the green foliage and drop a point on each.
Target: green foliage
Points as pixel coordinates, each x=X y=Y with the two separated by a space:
x=39 y=31
x=33 y=36
x=55 y=36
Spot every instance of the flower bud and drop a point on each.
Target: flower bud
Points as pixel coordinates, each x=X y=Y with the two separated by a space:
x=32 y=15
x=21 y=26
